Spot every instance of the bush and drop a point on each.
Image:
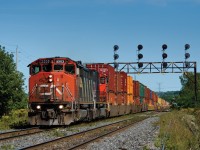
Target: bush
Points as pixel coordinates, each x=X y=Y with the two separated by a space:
x=15 y=119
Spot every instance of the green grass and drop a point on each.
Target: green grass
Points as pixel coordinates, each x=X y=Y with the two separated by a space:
x=179 y=130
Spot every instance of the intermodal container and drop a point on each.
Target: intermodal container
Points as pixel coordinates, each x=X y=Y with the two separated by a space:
x=129 y=90
x=136 y=88
x=159 y=102
x=124 y=87
x=123 y=82
x=154 y=97
x=147 y=93
x=136 y=92
x=142 y=92
x=151 y=95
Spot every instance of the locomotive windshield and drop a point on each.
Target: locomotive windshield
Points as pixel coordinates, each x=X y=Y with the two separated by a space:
x=47 y=68
x=58 y=67
x=70 y=68
x=35 y=69
x=50 y=65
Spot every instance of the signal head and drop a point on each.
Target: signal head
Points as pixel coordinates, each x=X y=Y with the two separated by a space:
x=140 y=65
x=187 y=55
x=116 y=56
x=164 y=46
x=116 y=47
x=140 y=56
x=140 y=47
x=187 y=46
x=164 y=55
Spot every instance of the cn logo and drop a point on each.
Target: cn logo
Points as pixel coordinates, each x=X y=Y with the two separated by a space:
x=51 y=88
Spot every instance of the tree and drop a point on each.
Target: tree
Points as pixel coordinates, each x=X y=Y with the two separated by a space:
x=187 y=94
x=12 y=95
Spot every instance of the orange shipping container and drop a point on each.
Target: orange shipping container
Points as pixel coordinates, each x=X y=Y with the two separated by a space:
x=129 y=90
x=136 y=88
x=118 y=87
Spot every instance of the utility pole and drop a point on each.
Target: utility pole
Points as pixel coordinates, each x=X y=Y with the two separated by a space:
x=16 y=57
x=159 y=86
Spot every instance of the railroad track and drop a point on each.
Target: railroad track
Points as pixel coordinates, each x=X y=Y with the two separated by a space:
x=81 y=139
x=19 y=133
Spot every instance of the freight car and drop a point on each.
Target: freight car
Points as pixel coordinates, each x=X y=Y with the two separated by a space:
x=62 y=91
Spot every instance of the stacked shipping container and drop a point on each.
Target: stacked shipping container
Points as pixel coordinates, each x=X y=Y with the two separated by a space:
x=129 y=90
x=118 y=89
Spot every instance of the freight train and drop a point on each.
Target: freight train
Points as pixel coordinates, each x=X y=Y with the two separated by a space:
x=63 y=91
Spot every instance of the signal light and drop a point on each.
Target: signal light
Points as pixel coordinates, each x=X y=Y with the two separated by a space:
x=140 y=65
x=164 y=46
x=140 y=47
x=164 y=55
x=116 y=56
x=187 y=46
x=140 y=56
x=116 y=47
x=187 y=55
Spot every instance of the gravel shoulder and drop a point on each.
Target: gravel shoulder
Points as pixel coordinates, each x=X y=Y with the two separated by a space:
x=140 y=136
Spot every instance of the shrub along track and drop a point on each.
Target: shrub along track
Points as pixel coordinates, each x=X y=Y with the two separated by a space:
x=85 y=137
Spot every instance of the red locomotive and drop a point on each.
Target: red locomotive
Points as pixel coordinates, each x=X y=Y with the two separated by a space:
x=62 y=91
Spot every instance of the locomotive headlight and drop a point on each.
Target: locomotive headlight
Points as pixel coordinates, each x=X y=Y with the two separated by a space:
x=50 y=78
x=38 y=107
x=61 y=106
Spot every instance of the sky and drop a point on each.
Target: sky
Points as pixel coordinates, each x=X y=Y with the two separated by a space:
x=87 y=30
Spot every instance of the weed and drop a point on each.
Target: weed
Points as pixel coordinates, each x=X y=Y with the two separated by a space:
x=178 y=130
x=57 y=133
x=7 y=147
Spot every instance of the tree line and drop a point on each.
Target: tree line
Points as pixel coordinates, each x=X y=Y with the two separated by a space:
x=12 y=93
x=184 y=98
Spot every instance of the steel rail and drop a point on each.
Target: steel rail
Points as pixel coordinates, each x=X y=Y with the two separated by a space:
x=69 y=137
x=18 y=133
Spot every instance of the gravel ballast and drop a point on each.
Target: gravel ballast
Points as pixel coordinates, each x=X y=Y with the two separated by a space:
x=138 y=137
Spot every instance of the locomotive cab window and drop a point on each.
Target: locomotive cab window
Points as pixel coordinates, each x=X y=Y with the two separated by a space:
x=47 y=68
x=70 y=68
x=58 y=67
x=35 y=69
